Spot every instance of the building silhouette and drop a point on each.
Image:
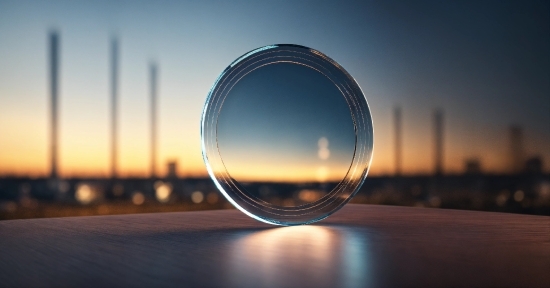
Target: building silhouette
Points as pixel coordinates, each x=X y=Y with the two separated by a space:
x=534 y=165
x=516 y=158
x=172 y=169
x=438 y=142
x=398 y=139
x=472 y=166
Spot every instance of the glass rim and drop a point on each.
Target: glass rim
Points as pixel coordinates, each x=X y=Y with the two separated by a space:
x=361 y=118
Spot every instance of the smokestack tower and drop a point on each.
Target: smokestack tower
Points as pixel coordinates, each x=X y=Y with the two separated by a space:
x=438 y=143
x=153 y=75
x=54 y=81
x=114 y=106
x=398 y=149
x=516 y=149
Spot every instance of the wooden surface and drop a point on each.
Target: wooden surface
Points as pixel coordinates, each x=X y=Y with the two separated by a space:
x=359 y=246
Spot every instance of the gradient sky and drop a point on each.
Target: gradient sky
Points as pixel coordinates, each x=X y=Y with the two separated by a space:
x=486 y=64
x=272 y=122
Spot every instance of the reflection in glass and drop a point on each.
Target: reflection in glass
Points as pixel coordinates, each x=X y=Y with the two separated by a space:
x=287 y=135
x=273 y=132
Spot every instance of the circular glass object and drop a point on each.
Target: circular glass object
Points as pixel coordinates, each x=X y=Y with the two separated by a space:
x=287 y=135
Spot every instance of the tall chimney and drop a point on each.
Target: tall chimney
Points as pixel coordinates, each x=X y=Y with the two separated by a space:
x=516 y=149
x=114 y=106
x=438 y=144
x=398 y=151
x=153 y=75
x=54 y=81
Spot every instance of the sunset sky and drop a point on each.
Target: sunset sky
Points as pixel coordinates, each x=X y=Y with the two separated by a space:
x=484 y=63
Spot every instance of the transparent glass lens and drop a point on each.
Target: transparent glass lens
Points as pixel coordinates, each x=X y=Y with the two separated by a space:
x=287 y=135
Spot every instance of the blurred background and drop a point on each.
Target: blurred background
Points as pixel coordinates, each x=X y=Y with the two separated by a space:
x=100 y=101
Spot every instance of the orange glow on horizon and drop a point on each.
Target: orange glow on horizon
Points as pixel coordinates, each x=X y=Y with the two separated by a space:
x=136 y=164
x=267 y=173
x=85 y=152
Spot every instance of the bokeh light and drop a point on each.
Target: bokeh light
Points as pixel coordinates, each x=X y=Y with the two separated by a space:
x=197 y=197
x=163 y=191
x=138 y=198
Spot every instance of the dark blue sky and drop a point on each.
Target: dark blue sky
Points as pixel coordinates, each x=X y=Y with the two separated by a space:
x=485 y=63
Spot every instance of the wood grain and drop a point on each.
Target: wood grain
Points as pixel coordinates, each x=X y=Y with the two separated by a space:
x=359 y=246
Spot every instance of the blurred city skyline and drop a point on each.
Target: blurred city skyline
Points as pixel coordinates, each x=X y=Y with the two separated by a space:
x=486 y=65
